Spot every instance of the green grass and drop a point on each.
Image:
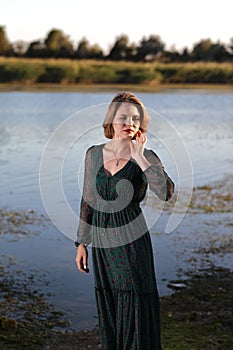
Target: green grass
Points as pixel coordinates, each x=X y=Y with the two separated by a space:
x=199 y=317
x=64 y=71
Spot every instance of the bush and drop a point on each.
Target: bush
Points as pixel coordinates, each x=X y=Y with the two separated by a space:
x=167 y=72
x=116 y=72
x=94 y=74
x=57 y=74
x=19 y=72
x=13 y=70
x=137 y=75
x=202 y=73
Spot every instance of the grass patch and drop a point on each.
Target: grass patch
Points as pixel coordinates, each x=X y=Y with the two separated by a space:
x=200 y=316
x=66 y=71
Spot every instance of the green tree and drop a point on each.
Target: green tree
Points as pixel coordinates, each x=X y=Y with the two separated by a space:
x=185 y=57
x=231 y=45
x=219 y=53
x=150 y=48
x=206 y=50
x=201 y=50
x=121 y=49
x=35 y=49
x=96 y=51
x=57 y=44
x=85 y=50
x=230 y=49
x=5 y=46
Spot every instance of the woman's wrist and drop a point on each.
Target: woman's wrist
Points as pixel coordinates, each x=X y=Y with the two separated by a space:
x=77 y=244
x=142 y=162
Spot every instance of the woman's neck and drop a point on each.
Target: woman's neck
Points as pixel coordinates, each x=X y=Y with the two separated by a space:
x=120 y=145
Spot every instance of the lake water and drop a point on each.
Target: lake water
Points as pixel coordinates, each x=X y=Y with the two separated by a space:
x=202 y=119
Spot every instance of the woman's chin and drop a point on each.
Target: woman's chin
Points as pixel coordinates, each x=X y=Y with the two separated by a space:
x=128 y=136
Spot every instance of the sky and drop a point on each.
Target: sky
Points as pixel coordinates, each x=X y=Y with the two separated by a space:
x=179 y=23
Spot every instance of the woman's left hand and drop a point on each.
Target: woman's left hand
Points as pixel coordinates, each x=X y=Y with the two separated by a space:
x=137 y=148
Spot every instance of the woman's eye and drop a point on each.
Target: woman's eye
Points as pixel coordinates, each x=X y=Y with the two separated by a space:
x=122 y=118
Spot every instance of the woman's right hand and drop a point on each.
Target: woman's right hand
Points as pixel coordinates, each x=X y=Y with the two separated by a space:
x=82 y=258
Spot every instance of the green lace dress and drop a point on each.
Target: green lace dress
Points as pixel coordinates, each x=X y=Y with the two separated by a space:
x=112 y=221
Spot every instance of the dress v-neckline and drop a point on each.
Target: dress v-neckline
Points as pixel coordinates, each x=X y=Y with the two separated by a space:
x=106 y=171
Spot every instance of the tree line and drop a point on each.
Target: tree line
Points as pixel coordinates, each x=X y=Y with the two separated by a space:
x=149 y=49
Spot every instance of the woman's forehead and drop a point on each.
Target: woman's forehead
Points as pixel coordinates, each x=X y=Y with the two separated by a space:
x=127 y=108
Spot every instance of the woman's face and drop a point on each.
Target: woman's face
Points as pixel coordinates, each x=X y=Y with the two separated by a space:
x=126 y=122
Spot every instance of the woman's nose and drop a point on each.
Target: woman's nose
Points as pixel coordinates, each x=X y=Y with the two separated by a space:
x=129 y=120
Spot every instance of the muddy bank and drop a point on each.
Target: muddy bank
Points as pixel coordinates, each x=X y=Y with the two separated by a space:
x=26 y=317
x=53 y=87
x=214 y=198
x=199 y=315
x=20 y=222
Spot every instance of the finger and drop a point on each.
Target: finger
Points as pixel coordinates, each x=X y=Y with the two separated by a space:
x=82 y=269
x=138 y=136
x=85 y=262
x=144 y=138
x=141 y=135
x=79 y=262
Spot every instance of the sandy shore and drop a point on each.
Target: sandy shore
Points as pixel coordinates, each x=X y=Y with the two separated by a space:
x=115 y=87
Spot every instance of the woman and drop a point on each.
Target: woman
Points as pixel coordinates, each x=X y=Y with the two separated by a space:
x=117 y=175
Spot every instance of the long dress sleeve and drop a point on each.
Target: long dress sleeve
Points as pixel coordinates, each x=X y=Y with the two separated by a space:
x=87 y=203
x=159 y=181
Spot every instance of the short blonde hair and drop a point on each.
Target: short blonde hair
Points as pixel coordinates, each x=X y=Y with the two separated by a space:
x=124 y=97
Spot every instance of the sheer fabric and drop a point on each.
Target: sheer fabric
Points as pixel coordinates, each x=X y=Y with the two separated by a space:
x=112 y=220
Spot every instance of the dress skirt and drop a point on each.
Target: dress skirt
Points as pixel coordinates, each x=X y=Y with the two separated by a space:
x=127 y=297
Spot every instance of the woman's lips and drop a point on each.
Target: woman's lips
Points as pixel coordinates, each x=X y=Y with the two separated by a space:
x=128 y=130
